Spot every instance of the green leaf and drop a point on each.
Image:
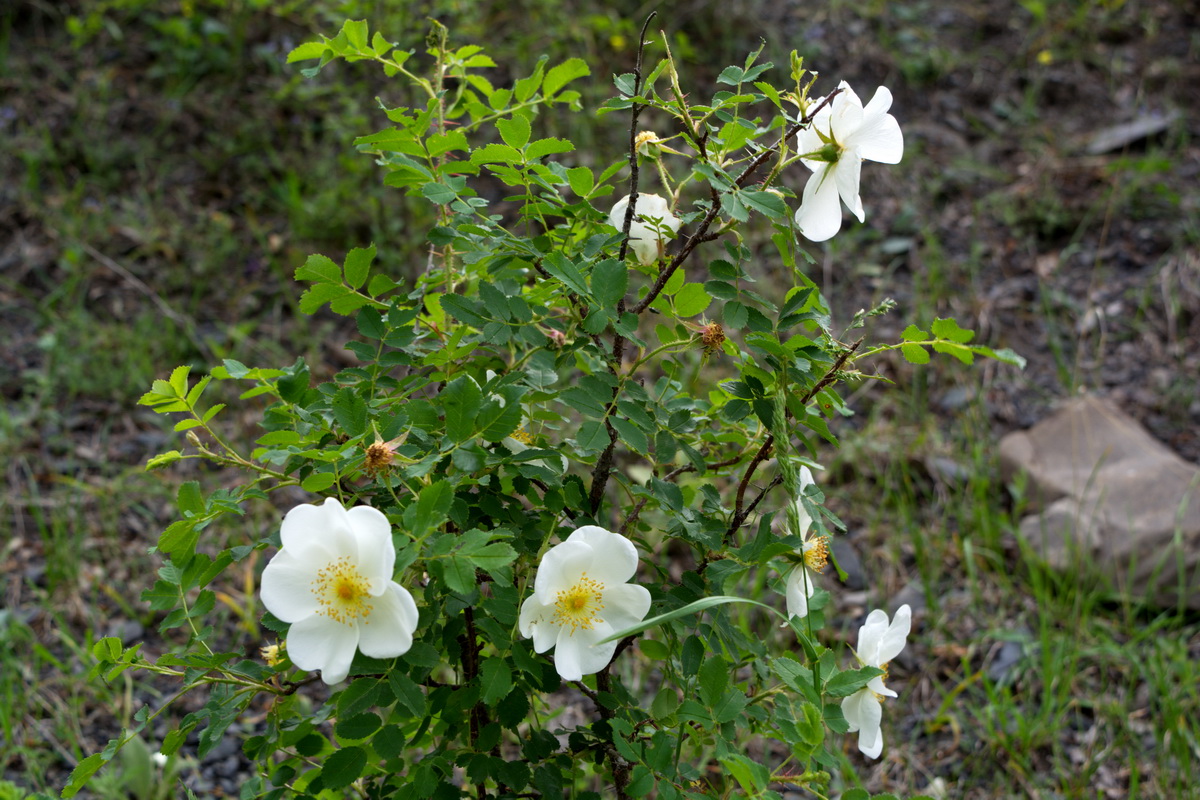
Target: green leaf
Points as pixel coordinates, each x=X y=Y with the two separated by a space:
x=496 y=154
x=358 y=264
x=442 y=143
x=691 y=300
x=359 y=726
x=189 y=499
x=318 y=482
x=566 y=271
x=665 y=703
x=582 y=180
x=343 y=767
x=948 y=329
x=180 y=535
x=914 y=353
x=307 y=52
x=848 y=682
x=430 y=509
x=515 y=131
x=694 y=607
x=495 y=678
x=714 y=679
x=350 y=411
x=959 y=351
x=546 y=147
x=914 y=334
x=83 y=771
x=461 y=400
x=320 y=269
x=631 y=434
x=751 y=775
x=768 y=204
x=610 y=279
x=408 y=693
x=438 y=193
x=562 y=74
x=735 y=315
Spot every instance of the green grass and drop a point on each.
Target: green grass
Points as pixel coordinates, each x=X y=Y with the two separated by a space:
x=171 y=173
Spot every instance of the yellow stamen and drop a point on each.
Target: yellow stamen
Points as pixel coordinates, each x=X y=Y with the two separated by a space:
x=523 y=436
x=816 y=553
x=580 y=605
x=342 y=592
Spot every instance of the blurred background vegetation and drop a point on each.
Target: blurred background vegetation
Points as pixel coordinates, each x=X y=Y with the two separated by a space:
x=163 y=172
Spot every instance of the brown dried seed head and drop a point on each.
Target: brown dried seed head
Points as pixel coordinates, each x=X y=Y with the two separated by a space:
x=712 y=336
x=379 y=457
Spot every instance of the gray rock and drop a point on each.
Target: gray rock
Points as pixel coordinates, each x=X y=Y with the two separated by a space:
x=1114 y=502
x=847 y=558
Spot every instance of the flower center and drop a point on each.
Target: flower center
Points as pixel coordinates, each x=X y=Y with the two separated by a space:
x=342 y=592
x=523 y=436
x=816 y=553
x=580 y=605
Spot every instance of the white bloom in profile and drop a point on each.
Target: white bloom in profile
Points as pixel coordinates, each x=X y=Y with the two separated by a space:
x=814 y=554
x=841 y=136
x=580 y=596
x=652 y=224
x=878 y=643
x=333 y=582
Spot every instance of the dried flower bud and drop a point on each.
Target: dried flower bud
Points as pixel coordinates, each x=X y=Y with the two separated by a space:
x=557 y=338
x=712 y=336
x=379 y=456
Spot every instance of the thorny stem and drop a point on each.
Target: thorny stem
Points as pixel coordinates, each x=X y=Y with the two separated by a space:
x=470 y=660
x=603 y=468
x=742 y=512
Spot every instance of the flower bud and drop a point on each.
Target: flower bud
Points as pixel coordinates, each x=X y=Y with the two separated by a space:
x=272 y=654
x=647 y=144
x=557 y=338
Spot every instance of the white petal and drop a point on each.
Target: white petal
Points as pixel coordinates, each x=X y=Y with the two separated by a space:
x=577 y=655
x=847 y=114
x=614 y=558
x=616 y=217
x=376 y=553
x=319 y=642
x=625 y=604
x=820 y=214
x=846 y=172
x=322 y=527
x=876 y=686
x=863 y=712
x=287 y=587
x=878 y=138
x=387 y=631
x=537 y=620
x=799 y=588
x=869 y=637
x=514 y=446
x=560 y=569
x=893 y=639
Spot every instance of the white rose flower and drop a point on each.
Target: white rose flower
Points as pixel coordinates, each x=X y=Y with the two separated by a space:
x=652 y=224
x=333 y=582
x=841 y=135
x=878 y=643
x=580 y=596
x=814 y=552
